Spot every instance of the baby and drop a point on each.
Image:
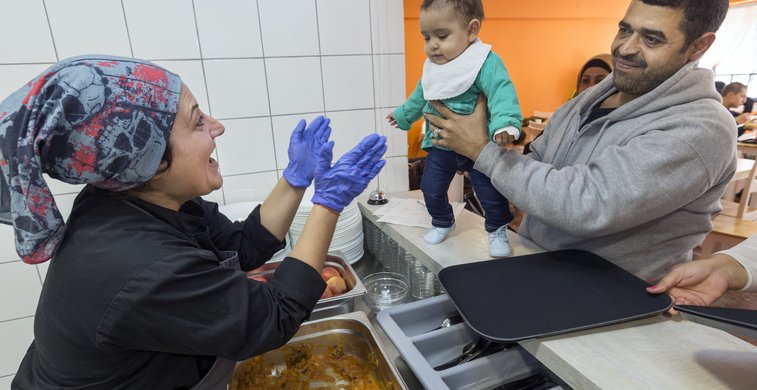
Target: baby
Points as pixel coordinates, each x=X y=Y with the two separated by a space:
x=459 y=68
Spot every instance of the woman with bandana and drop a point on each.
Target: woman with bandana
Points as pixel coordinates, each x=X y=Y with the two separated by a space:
x=146 y=287
x=596 y=69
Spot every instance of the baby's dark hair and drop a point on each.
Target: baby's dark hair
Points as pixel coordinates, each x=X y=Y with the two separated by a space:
x=465 y=9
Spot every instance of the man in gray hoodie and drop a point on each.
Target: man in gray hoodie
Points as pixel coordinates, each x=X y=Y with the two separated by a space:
x=633 y=168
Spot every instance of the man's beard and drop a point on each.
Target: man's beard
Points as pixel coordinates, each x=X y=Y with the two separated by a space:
x=644 y=81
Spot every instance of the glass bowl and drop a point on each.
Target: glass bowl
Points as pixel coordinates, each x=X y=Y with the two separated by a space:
x=385 y=289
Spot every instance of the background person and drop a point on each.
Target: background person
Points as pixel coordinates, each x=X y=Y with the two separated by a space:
x=458 y=68
x=593 y=71
x=634 y=168
x=734 y=97
x=749 y=105
x=147 y=287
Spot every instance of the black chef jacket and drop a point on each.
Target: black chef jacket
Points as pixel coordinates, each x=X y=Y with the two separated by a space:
x=135 y=297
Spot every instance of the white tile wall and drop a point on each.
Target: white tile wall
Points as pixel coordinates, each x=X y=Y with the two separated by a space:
x=65 y=203
x=215 y=196
x=237 y=88
x=294 y=84
x=8 y=248
x=340 y=35
x=20 y=281
x=58 y=187
x=162 y=30
x=259 y=66
x=245 y=147
x=5 y=382
x=42 y=270
x=15 y=337
x=26 y=33
x=289 y=27
x=77 y=33
x=388 y=26
x=347 y=82
x=394 y=183
x=225 y=29
x=390 y=80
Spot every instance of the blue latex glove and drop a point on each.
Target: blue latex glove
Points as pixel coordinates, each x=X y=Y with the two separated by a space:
x=336 y=186
x=303 y=152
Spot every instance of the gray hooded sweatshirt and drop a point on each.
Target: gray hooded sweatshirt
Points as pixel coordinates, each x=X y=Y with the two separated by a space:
x=638 y=187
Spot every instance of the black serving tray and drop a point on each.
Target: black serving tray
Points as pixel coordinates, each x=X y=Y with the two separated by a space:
x=548 y=293
x=738 y=321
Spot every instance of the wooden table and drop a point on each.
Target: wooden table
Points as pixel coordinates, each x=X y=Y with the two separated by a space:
x=531 y=133
x=743 y=168
x=746 y=148
x=726 y=232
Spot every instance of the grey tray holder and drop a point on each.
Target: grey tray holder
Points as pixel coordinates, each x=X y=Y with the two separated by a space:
x=411 y=328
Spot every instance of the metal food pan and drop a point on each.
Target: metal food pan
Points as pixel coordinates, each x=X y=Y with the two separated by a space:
x=351 y=331
x=326 y=307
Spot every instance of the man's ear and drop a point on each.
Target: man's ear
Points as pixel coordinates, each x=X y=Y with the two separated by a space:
x=474 y=26
x=700 y=45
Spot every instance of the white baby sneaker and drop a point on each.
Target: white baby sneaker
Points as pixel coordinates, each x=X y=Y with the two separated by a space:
x=437 y=234
x=498 y=244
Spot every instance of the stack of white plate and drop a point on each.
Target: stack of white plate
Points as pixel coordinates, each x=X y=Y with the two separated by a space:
x=348 y=235
x=240 y=211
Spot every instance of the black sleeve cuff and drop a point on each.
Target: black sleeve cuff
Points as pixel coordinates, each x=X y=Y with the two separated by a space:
x=300 y=281
x=265 y=243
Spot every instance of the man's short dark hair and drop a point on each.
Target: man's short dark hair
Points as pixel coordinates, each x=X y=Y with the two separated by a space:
x=719 y=85
x=734 y=87
x=699 y=16
x=466 y=9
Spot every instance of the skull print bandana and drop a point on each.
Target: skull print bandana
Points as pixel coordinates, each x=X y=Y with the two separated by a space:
x=96 y=120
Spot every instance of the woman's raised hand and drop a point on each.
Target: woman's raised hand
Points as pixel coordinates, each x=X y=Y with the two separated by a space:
x=304 y=151
x=336 y=186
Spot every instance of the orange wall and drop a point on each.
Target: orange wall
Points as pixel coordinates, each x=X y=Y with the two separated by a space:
x=542 y=42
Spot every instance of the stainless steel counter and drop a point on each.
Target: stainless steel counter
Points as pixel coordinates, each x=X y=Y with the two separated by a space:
x=364 y=267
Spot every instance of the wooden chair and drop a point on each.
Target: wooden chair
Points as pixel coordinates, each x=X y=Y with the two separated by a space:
x=745 y=207
x=543 y=114
x=726 y=232
x=532 y=131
